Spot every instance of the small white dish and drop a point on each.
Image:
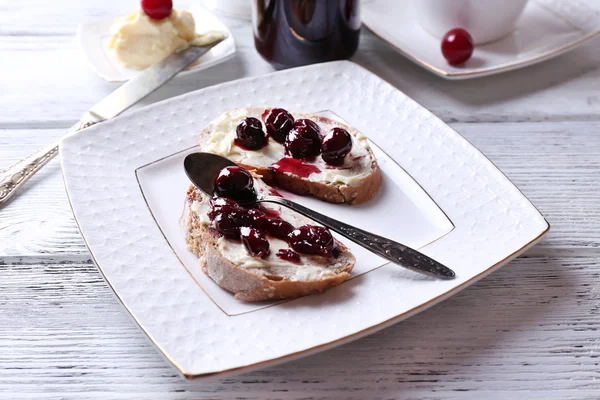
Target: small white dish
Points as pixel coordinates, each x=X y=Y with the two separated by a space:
x=93 y=38
x=546 y=29
x=125 y=181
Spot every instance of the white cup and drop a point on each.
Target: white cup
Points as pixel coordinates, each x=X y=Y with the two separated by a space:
x=485 y=20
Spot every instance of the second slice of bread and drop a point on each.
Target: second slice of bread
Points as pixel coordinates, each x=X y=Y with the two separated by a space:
x=350 y=191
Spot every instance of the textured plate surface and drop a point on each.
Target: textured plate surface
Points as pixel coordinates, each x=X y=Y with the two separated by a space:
x=493 y=220
x=94 y=36
x=546 y=29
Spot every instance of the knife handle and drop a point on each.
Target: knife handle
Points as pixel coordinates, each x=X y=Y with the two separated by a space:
x=15 y=176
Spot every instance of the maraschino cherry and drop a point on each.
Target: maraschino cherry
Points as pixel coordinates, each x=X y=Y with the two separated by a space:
x=457 y=46
x=157 y=9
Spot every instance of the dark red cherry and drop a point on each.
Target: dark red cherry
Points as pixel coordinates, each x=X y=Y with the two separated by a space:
x=304 y=141
x=255 y=214
x=157 y=9
x=336 y=145
x=234 y=182
x=457 y=46
x=289 y=255
x=310 y=239
x=255 y=242
x=277 y=228
x=279 y=123
x=258 y=218
x=229 y=223
x=250 y=134
x=219 y=205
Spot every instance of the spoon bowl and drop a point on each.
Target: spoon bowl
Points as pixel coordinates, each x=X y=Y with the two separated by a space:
x=202 y=168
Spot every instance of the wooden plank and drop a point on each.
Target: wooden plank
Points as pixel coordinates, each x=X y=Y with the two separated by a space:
x=38 y=220
x=529 y=330
x=555 y=164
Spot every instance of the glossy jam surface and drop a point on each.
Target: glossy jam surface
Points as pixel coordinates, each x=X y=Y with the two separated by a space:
x=457 y=46
x=255 y=242
x=289 y=255
x=278 y=228
x=157 y=9
x=300 y=32
x=228 y=223
x=335 y=146
x=310 y=239
x=295 y=166
x=279 y=123
x=250 y=134
x=304 y=141
x=253 y=225
x=220 y=205
x=235 y=183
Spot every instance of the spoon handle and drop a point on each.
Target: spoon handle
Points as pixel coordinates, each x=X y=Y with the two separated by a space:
x=383 y=247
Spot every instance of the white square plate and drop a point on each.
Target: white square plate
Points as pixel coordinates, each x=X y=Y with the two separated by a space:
x=93 y=38
x=125 y=184
x=546 y=29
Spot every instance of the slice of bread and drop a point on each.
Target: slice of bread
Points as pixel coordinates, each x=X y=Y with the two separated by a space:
x=356 y=181
x=227 y=262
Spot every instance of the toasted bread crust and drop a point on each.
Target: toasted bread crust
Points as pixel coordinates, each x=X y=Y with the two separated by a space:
x=359 y=192
x=245 y=285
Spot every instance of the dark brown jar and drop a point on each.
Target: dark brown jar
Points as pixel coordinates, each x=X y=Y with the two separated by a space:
x=290 y=33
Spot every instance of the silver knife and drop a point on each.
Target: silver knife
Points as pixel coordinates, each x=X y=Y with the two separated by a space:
x=15 y=176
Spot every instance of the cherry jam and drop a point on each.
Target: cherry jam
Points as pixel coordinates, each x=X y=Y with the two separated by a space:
x=255 y=242
x=289 y=255
x=310 y=239
x=252 y=225
x=295 y=166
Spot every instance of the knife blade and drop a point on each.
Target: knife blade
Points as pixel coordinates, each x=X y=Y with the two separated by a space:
x=15 y=176
x=147 y=82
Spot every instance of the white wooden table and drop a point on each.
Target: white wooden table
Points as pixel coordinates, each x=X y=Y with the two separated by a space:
x=530 y=330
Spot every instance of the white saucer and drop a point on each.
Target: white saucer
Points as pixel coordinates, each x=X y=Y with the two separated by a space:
x=546 y=29
x=93 y=38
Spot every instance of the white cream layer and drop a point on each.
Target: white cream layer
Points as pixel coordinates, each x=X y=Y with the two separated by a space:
x=357 y=164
